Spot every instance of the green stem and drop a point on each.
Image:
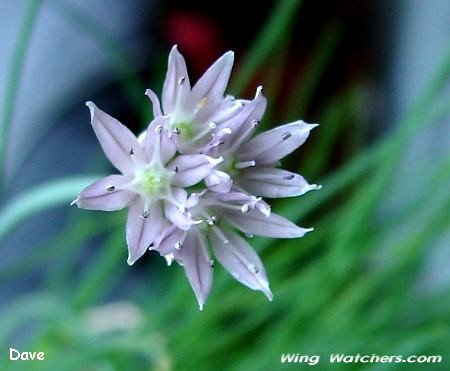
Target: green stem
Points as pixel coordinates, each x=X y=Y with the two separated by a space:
x=14 y=75
x=40 y=198
x=273 y=32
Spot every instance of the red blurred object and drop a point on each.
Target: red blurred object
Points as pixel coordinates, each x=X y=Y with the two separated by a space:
x=197 y=37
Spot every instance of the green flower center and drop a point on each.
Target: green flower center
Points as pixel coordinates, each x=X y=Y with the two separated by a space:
x=229 y=166
x=152 y=181
x=186 y=129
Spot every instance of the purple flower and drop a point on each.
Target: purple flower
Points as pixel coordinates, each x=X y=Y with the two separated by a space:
x=200 y=140
x=249 y=164
x=193 y=113
x=151 y=183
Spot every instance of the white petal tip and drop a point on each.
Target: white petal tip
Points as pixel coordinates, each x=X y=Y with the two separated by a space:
x=268 y=294
x=130 y=262
x=147 y=92
x=91 y=107
x=311 y=126
x=169 y=259
x=316 y=187
x=200 y=306
x=258 y=91
x=229 y=54
x=74 y=202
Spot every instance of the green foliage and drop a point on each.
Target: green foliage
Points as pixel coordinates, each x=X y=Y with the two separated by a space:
x=351 y=286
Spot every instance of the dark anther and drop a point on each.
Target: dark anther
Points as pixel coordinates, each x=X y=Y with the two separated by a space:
x=286 y=136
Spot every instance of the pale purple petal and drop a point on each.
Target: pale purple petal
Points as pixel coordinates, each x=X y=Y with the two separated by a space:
x=191 y=169
x=176 y=85
x=155 y=102
x=194 y=199
x=256 y=223
x=105 y=194
x=240 y=199
x=171 y=239
x=238 y=258
x=272 y=145
x=212 y=85
x=196 y=261
x=274 y=183
x=165 y=149
x=244 y=122
x=116 y=140
x=143 y=227
x=220 y=110
x=218 y=181
x=177 y=213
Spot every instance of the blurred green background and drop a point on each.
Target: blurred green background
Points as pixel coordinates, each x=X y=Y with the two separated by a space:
x=373 y=278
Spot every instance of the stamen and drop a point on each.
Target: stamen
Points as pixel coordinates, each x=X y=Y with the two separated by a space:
x=252 y=268
x=156 y=158
x=131 y=152
x=181 y=80
x=244 y=164
x=110 y=188
x=243 y=136
x=219 y=234
x=289 y=177
x=201 y=134
x=176 y=131
x=228 y=206
x=178 y=246
x=146 y=212
x=175 y=170
x=211 y=263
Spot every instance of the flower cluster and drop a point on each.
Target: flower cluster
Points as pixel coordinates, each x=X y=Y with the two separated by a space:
x=196 y=177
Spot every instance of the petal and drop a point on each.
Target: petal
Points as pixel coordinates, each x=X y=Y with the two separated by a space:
x=171 y=239
x=274 y=183
x=116 y=140
x=105 y=194
x=211 y=86
x=220 y=110
x=176 y=85
x=272 y=145
x=155 y=102
x=238 y=258
x=163 y=150
x=244 y=122
x=141 y=231
x=218 y=181
x=191 y=169
x=196 y=261
x=274 y=225
x=180 y=218
x=194 y=199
